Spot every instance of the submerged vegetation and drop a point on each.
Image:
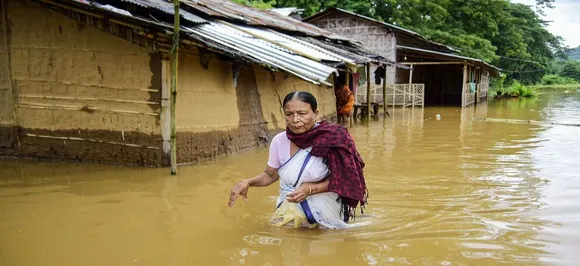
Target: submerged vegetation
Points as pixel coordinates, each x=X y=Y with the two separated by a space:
x=516 y=89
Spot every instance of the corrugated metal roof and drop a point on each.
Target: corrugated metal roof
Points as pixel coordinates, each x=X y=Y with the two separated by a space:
x=167 y=8
x=358 y=55
x=295 y=45
x=262 y=45
x=265 y=51
x=452 y=56
x=228 y=10
x=286 y=11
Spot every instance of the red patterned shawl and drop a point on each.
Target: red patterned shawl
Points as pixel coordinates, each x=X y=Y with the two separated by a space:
x=334 y=143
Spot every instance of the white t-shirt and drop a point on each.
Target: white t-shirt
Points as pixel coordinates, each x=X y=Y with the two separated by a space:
x=279 y=150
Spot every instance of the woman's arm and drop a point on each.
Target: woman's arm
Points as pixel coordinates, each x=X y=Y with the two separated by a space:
x=264 y=179
x=307 y=189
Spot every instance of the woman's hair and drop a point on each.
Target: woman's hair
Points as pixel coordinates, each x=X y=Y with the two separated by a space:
x=303 y=96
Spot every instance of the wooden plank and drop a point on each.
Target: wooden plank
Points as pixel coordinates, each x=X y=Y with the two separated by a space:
x=464 y=85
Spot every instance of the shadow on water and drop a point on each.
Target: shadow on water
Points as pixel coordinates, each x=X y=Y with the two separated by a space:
x=449 y=191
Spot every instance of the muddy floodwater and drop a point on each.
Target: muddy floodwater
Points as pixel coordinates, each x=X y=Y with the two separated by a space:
x=442 y=192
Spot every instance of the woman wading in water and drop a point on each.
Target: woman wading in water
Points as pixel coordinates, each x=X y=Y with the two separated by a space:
x=319 y=168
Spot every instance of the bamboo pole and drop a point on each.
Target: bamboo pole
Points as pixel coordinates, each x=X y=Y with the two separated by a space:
x=80 y=108
x=174 y=70
x=385 y=90
x=65 y=98
x=368 y=114
x=91 y=140
x=91 y=85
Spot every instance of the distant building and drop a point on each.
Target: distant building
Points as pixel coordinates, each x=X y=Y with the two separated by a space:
x=438 y=75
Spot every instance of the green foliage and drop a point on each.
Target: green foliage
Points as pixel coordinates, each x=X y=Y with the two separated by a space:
x=262 y=4
x=519 y=90
x=574 y=54
x=571 y=69
x=465 y=42
x=497 y=86
x=516 y=89
x=552 y=79
x=499 y=82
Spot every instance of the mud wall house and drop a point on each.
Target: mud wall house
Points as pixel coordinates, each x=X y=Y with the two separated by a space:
x=438 y=75
x=89 y=80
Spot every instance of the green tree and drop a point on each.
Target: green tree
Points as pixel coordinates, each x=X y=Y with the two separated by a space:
x=574 y=54
x=262 y=4
x=571 y=69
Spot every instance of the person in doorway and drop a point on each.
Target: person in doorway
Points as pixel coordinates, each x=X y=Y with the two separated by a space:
x=344 y=104
x=318 y=166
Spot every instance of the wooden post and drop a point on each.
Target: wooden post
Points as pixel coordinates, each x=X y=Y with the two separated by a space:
x=394 y=94
x=411 y=87
x=174 y=70
x=385 y=90
x=368 y=91
x=464 y=85
x=347 y=78
x=478 y=74
x=14 y=93
x=166 y=110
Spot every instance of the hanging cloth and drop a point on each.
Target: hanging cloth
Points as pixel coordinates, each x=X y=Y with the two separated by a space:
x=472 y=82
x=355 y=82
x=379 y=74
x=361 y=71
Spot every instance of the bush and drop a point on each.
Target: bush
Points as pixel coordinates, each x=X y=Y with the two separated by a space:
x=519 y=90
x=557 y=80
x=497 y=89
x=514 y=90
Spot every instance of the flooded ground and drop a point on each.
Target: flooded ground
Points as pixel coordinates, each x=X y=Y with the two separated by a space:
x=442 y=192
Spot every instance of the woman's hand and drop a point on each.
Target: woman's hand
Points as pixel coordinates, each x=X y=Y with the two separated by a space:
x=299 y=194
x=240 y=189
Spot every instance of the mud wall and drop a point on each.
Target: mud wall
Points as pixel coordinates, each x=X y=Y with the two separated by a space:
x=8 y=141
x=213 y=116
x=273 y=89
x=82 y=94
x=225 y=107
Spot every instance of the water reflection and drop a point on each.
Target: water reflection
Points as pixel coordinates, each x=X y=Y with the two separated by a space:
x=446 y=192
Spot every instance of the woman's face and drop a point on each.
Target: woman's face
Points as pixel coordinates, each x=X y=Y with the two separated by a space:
x=299 y=116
